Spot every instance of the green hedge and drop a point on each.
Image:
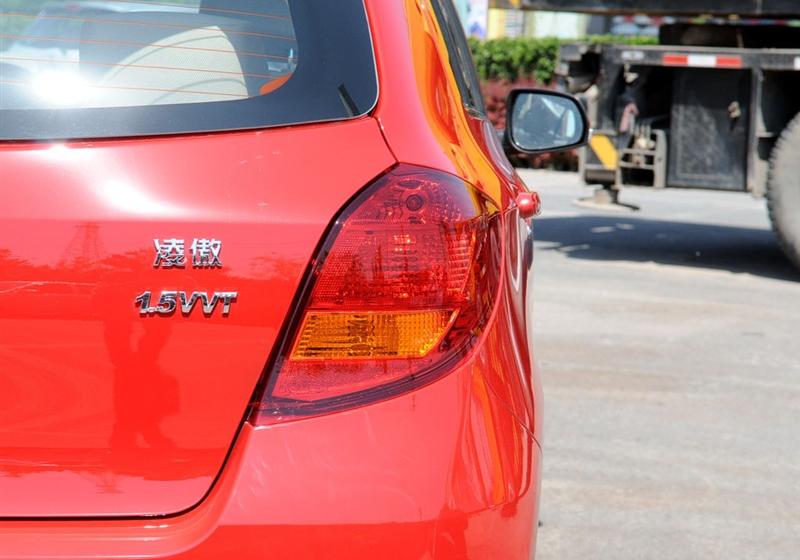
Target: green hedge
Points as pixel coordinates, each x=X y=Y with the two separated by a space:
x=511 y=59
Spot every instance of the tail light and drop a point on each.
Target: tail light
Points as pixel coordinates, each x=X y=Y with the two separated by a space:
x=400 y=291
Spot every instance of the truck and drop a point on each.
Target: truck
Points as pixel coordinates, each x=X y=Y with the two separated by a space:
x=715 y=104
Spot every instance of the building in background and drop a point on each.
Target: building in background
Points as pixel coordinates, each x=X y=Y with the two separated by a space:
x=509 y=23
x=475 y=17
x=559 y=24
x=491 y=19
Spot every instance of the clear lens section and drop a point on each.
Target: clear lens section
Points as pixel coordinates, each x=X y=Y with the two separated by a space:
x=401 y=290
x=410 y=245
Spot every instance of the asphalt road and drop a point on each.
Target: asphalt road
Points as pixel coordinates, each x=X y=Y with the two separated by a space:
x=670 y=345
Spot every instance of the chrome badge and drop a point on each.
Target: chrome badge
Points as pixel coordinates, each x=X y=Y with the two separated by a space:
x=170 y=301
x=171 y=253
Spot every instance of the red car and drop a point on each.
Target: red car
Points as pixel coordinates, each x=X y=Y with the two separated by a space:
x=264 y=284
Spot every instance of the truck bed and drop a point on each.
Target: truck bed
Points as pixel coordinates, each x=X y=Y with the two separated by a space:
x=718 y=8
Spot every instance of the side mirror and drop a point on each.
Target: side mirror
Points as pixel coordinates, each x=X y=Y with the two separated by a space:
x=541 y=121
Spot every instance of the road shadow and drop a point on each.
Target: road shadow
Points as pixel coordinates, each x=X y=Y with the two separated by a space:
x=623 y=238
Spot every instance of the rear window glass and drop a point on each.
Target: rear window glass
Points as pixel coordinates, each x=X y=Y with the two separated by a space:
x=93 y=68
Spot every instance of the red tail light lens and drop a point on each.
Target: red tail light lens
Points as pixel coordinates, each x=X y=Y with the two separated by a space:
x=401 y=290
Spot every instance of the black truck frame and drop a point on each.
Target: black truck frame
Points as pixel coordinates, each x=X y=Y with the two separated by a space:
x=739 y=8
x=671 y=116
x=715 y=105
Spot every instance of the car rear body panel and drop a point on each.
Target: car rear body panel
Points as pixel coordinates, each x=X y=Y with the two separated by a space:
x=106 y=413
x=444 y=472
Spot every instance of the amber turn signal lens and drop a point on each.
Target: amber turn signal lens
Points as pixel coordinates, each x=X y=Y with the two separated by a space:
x=326 y=336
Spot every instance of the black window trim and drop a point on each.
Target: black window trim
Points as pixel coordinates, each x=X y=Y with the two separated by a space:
x=463 y=70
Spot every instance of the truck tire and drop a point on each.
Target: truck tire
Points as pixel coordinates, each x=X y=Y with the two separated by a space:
x=783 y=190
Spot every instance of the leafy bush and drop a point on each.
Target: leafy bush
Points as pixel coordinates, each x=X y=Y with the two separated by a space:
x=529 y=58
x=510 y=59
